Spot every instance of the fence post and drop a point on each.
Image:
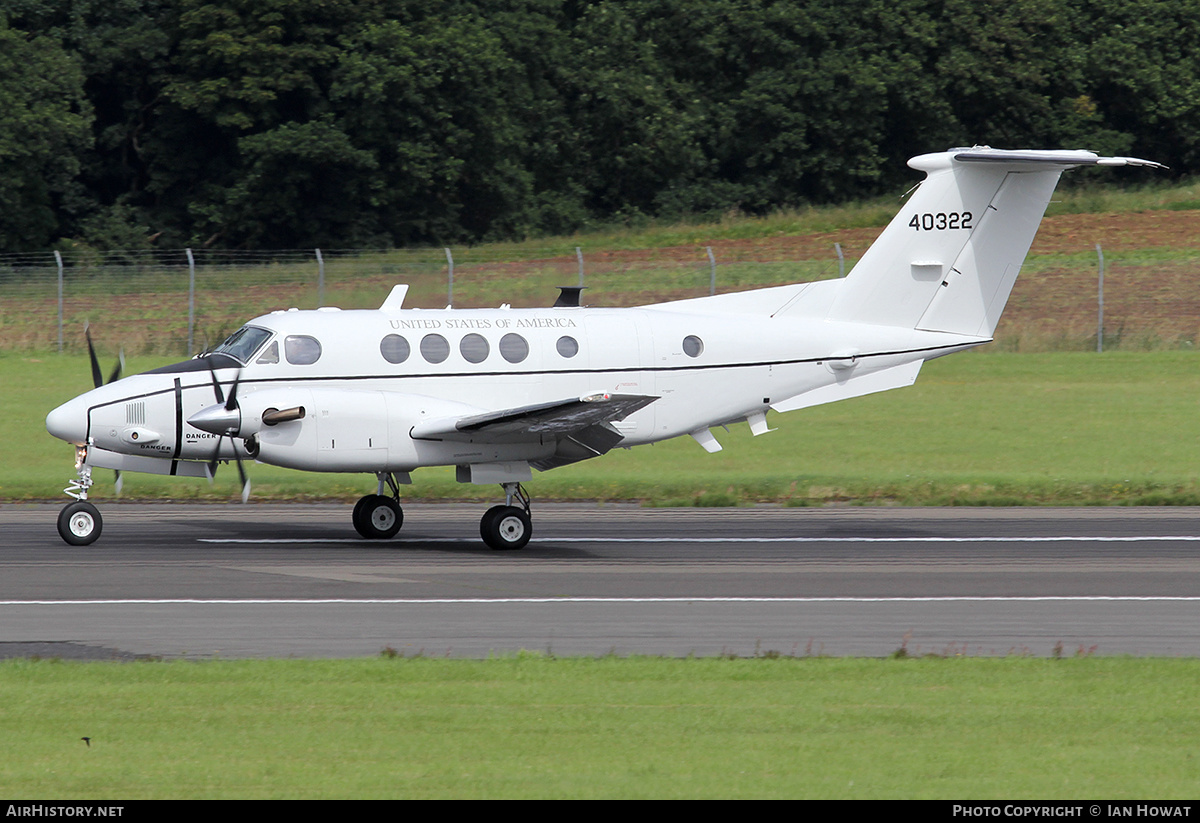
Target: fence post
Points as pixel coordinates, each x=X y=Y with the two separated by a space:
x=1100 y=301
x=58 y=259
x=320 y=279
x=449 y=279
x=841 y=260
x=191 y=301
x=579 y=255
x=712 y=271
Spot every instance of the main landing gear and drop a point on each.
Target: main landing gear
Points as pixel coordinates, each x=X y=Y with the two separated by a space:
x=379 y=516
x=508 y=526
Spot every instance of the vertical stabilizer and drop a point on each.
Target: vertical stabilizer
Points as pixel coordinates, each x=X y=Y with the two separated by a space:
x=948 y=260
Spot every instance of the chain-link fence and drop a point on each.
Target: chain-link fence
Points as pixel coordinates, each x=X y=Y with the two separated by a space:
x=181 y=301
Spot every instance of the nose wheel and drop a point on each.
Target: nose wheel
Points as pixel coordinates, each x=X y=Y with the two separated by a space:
x=508 y=527
x=79 y=523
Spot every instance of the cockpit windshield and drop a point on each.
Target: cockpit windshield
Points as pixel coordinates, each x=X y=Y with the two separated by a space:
x=243 y=343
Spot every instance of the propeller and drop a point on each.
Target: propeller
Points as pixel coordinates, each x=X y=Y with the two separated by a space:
x=98 y=381
x=231 y=405
x=114 y=375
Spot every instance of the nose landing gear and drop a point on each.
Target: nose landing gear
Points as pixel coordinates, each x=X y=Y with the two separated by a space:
x=79 y=523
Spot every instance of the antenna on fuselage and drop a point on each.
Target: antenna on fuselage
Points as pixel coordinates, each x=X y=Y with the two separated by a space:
x=568 y=297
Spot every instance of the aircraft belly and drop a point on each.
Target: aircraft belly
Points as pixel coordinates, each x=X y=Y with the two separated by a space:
x=692 y=399
x=456 y=453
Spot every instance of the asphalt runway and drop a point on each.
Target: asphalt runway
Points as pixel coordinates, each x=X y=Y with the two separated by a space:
x=263 y=580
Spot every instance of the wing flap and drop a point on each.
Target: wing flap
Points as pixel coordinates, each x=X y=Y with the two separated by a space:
x=555 y=420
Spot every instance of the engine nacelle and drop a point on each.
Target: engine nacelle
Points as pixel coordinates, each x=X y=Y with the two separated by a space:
x=348 y=430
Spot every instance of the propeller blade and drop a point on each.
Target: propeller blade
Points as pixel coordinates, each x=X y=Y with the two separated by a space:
x=245 y=480
x=220 y=395
x=211 y=466
x=231 y=403
x=115 y=374
x=97 y=378
x=120 y=480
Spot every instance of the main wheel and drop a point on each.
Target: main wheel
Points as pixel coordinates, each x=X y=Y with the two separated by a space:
x=377 y=517
x=506 y=527
x=79 y=523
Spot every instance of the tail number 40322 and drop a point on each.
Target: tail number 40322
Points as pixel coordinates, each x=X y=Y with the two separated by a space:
x=941 y=221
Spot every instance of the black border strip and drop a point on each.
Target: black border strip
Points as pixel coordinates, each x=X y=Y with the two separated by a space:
x=178 y=424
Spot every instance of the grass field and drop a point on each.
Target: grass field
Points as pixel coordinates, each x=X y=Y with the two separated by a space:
x=1057 y=428
x=539 y=727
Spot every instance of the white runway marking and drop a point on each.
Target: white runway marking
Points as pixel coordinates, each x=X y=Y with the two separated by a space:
x=530 y=600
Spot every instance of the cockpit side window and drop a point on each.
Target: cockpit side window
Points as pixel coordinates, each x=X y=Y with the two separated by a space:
x=269 y=355
x=301 y=350
x=243 y=343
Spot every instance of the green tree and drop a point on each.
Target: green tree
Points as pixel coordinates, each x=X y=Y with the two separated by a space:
x=44 y=121
x=427 y=92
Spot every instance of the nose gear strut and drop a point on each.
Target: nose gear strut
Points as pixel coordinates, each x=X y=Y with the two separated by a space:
x=79 y=523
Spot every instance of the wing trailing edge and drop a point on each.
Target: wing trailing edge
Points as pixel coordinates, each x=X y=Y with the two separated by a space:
x=540 y=421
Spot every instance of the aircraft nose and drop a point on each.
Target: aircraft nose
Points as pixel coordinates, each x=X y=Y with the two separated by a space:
x=68 y=422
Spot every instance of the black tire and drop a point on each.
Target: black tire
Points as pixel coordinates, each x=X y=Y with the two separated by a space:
x=506 y=527
x=79 y=523
x=377 y=517
x=356 y=518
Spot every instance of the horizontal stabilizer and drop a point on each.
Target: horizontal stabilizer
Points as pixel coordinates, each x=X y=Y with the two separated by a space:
x=896 y=377
x=1063 y=159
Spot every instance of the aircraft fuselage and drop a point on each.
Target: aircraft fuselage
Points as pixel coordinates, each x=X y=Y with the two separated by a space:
x=361 y=408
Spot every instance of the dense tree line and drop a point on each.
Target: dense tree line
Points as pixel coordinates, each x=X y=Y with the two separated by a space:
x=283 y=123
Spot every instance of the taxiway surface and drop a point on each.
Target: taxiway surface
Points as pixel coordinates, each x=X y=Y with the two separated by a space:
x=175 y=580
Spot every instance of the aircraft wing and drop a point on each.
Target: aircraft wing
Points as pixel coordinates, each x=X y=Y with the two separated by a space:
x=541 y=421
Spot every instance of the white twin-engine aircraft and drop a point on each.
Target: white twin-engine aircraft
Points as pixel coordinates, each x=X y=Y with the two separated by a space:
x=500 y=392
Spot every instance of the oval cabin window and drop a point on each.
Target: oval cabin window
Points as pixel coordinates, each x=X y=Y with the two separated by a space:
x=567 y=346
x=514 y=348
x=474 y=348
x=435 y=348
x=394 y=348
